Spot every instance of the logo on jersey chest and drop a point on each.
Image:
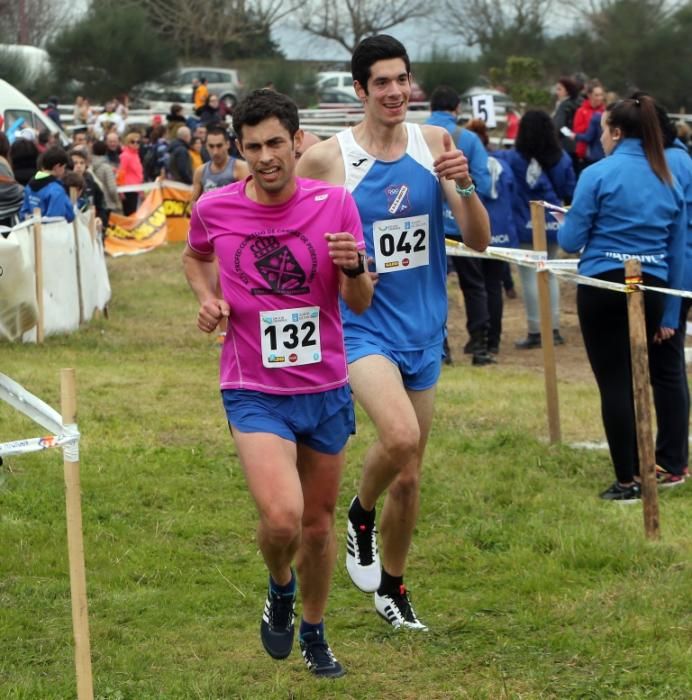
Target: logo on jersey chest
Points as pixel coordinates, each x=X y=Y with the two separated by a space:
x=397 y=199
x=277 y=265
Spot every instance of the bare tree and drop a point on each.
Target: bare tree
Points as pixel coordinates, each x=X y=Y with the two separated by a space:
x=481 y=22
x=348 y=21
x=32 y=22
x=198 y=25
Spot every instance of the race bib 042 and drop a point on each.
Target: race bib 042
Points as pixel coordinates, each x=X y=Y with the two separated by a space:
x=401 y=244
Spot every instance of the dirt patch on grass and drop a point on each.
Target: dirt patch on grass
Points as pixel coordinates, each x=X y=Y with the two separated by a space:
x=572 y=363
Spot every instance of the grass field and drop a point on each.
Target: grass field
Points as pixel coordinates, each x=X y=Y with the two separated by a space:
x=532 y=587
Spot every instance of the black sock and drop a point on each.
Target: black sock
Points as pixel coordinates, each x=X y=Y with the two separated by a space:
x=358 y=515
x=390 y=584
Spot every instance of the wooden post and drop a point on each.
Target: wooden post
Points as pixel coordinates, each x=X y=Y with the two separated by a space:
x=549 y=371
x=75 y=542
x=75 y=229
x=642 y=398
x=38 y=266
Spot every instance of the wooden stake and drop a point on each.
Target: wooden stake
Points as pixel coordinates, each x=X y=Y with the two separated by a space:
x=75 y=543
x=549 y=370
x=75 y=229
x=642 y=399
x=38 y=267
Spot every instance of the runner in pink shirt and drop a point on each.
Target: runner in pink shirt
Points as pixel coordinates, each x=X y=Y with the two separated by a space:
x=286 y=249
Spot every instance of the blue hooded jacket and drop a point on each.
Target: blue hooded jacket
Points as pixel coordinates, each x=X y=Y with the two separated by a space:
x=473 y=149
x=531 y=182
x=49 y=196
x=622 y=209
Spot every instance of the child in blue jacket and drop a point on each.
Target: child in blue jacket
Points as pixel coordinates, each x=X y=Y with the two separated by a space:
x=45 y=190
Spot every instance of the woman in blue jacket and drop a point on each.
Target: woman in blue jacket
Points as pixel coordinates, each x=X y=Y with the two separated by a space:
x=626 y=205
x=542 y=171
x=668 y=366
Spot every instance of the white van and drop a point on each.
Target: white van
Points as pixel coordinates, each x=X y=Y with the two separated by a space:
x=15 y=106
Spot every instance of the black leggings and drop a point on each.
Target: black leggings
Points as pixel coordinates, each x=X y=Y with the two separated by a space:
x=604 y=326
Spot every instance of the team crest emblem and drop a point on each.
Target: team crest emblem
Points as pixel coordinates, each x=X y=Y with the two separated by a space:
x=277 y=265
x=397 y=199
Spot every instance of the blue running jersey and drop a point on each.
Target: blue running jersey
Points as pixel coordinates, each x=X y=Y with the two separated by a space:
x=400 y=205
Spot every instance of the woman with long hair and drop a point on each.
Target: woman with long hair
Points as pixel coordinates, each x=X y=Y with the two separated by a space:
x=542 y=170
x=626 y=205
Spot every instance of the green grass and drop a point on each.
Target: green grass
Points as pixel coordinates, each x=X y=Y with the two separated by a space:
x=532 y=587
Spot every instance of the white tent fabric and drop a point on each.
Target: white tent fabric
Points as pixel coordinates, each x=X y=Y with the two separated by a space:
x=60 y=286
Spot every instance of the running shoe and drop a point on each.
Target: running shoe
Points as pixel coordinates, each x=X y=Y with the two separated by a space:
x=666 y=480
x=277 y=628
x=318 y=656
x=397 y=610
x=362 y=558
x=623 y=494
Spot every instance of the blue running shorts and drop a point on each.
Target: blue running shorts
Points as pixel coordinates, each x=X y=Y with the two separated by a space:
x=420 y=369
x=322 y=421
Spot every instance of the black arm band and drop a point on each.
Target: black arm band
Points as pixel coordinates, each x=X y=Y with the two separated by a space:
x=356 y=271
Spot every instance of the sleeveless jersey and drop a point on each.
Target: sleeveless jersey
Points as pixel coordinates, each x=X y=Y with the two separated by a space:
x=284 y=331
x=210 y=180
x=400 y=206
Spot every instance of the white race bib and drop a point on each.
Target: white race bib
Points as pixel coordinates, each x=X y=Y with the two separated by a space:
x=401 y=244
x=290 y=337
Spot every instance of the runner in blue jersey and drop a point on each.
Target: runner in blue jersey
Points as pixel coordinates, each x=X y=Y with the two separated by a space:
x=398 y=174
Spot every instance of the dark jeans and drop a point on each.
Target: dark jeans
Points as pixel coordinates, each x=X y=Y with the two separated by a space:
x=130 y=203
x=672 y=397
x=472 y=284
x=493 y=274
x=604 y=326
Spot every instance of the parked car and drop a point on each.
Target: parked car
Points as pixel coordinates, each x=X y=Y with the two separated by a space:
x=176 y=86
x=335 y=82
x=334 y=99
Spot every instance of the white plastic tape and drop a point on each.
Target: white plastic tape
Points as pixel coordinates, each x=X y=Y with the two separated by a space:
x=70 y=450
x=18 y=447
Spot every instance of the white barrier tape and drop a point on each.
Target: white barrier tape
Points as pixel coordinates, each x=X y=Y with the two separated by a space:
x=31 y=406
x=18 y=447
x=615 y=286
x=565 y=268
x=148 y=186
x=531 y=258
x=70 y=450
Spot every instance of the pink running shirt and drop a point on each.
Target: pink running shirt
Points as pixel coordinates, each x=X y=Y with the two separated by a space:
x=284 y=332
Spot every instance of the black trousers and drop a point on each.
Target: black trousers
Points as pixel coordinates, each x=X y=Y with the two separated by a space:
x=472 y=284
x=493 y=276
x=130 y=203
x=604 y=326
x=672 y=397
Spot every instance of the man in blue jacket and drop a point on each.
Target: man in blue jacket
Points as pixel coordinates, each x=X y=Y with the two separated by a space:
x=45 y=190
x=444 y=107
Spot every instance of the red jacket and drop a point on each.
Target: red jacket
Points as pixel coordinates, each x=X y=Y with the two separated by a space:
x=130 y=171
x=582 y=118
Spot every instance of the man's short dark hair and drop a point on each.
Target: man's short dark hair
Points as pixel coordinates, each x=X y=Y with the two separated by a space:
x=373 y=49
x=55 y=155
x=99 y=148
x=218 y=129
x=444 y=99
x=263 y=104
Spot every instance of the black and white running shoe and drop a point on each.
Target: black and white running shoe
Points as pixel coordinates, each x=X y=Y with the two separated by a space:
x=362 y=558
x=277 y=628
x=318 y=656
x=397 y=610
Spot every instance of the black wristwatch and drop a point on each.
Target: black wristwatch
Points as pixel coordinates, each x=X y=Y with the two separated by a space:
x=356 y=271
